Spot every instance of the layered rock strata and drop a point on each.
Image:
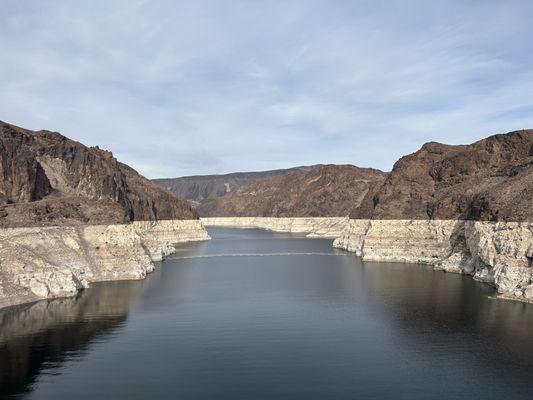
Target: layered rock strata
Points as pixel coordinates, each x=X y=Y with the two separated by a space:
x=326 y=227
x=50 y=262
x=498 y=253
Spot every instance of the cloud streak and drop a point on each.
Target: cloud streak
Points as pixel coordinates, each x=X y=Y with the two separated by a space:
x=177 y=88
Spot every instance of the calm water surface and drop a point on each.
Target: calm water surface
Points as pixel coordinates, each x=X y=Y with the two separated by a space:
x=259 y=315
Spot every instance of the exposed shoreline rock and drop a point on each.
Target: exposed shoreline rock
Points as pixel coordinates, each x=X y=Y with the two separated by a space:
x=51 y=262
x=57 y=261
x=324 y=227
x=497 y=253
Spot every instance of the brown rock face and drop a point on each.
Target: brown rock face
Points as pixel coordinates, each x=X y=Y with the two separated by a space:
x=491 y=179
x=46 y=178
x=325 y=190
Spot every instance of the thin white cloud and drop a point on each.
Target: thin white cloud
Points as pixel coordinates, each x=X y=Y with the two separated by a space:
x=176 y=88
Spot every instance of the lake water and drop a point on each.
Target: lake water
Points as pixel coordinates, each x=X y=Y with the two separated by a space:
x=260 y=315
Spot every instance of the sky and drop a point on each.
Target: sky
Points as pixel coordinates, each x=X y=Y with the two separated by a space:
x=178 y=88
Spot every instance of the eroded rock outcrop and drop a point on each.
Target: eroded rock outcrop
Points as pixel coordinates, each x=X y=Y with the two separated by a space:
x=200 y=189
x=490 y=180
x=71 y=215
x=496 y=253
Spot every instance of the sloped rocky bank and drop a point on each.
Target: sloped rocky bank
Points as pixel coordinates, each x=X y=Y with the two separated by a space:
x=57 y=261
x=498 y=253
x=326 y=227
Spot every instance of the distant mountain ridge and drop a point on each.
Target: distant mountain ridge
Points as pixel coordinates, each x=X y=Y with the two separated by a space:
x=323 y=190
x=198 y=189
x=491 y=179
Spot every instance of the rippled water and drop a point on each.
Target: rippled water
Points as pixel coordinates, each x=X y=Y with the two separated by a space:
x=259 y=315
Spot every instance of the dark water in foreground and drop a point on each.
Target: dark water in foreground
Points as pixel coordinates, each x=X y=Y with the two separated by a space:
x=292 y=325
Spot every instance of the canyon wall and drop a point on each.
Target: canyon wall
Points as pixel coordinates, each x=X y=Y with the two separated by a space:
x=489 y=180
x=498 y=253
x=57 y=261
x=71 y=215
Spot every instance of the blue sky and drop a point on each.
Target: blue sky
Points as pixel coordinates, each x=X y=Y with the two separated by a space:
x=193 y=87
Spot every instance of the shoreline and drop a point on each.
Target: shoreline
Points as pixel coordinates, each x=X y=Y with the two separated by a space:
x=497 y=253
x=40 y=263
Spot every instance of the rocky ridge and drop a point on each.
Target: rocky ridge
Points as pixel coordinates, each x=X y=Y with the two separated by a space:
x=489 y=180
x=199 y=189
x=71 y=215
x=416 y=213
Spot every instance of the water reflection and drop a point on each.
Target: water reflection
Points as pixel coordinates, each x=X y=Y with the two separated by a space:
x=39 y=337
x=279 y=326
x=429 y=306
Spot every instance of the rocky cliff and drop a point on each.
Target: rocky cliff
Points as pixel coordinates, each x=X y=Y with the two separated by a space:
x=48 y=179
x=491 y=179
x=321 y=191
x=420 y=212
x=498 y=253
x=200 y=189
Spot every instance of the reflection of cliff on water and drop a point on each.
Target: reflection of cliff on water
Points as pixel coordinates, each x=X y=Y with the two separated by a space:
x=429 y=306
x=40 y=336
